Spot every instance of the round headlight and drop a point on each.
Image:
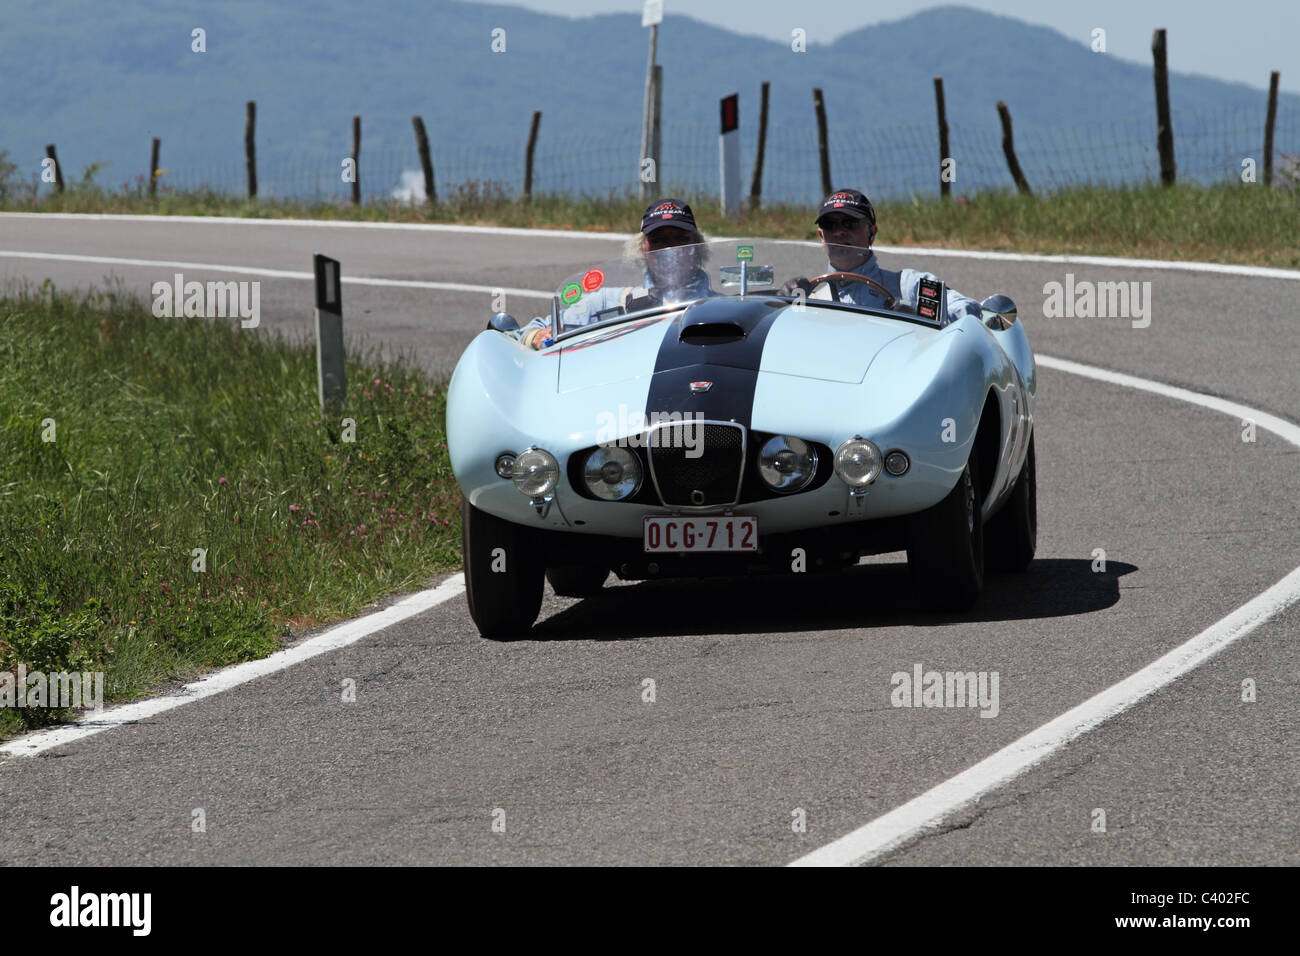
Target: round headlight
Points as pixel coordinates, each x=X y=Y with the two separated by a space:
x=505 y=465
x=786 y=464
x=857 y=462
x=612 y=473
x=897 y=463
x=536 y=473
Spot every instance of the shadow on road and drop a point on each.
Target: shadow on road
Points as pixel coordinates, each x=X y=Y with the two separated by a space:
x=868 y=595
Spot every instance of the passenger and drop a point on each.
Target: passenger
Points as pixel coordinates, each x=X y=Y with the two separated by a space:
x=673 y=251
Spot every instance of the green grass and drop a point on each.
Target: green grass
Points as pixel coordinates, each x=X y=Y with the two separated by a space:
x=1226 y=223
x=171 y=435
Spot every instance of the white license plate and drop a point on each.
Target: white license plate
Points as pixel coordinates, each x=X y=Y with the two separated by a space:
x=681 y=535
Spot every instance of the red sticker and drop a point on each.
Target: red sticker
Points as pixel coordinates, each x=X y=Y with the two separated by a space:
x=593 y=280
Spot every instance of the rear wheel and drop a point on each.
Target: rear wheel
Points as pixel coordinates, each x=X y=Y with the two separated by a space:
x=945 y=546
x=503 y=573
x=578 y=581
x=1012 y=534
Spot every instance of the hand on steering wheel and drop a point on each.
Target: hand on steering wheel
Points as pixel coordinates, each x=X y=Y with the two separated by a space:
x=827 y=277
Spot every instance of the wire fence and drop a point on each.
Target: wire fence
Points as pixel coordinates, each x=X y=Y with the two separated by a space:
x=887 y=163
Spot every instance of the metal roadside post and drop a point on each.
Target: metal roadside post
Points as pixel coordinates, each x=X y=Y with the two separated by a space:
x=652 y=14
x=729 y=156
x=329 y=334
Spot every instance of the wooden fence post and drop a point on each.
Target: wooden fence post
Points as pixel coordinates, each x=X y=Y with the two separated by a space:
x=250 y=157
x=1164 y=128
x=1268 y=128
x=756 y=187
x=823 y=151
x=1009 y=150
x=58 y=170
x=528 y=155
x=945 y=187
x=356 y=160
x=426 y=160
x=153 y=166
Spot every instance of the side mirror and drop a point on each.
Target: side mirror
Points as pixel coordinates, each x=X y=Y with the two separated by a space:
x=998 y=312
x=503 y=322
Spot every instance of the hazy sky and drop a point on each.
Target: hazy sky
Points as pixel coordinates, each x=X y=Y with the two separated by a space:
x=1237 y=41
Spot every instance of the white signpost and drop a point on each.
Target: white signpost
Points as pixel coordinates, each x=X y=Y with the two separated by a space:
x=729 y=156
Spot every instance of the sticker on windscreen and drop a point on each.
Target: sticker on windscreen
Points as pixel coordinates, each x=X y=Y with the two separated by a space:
x=593 y=280
x=571 y=293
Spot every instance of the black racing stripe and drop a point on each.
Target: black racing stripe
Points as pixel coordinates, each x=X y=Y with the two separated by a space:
x=732 y=366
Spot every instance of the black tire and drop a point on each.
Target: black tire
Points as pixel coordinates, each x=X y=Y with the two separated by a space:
x=945 y=546
x=578 y=581
x=504 y=603
x=1011 y=536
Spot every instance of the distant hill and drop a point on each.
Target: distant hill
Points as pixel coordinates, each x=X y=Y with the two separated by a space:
x=101 y=79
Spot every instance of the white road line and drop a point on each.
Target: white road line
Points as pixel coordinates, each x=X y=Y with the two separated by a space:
x=272 y=273
x=1222 y=268
x=223 y=680
x=1265 y=272
x=323 y=224
x=921 y=815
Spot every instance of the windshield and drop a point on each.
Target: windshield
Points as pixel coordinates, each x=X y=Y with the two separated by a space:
x=643 y=281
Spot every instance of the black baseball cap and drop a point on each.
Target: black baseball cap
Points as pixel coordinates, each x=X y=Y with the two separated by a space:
x=850 y=202
x=667 y=212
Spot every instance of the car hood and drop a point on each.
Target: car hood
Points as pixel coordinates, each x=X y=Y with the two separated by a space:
x=755 y=334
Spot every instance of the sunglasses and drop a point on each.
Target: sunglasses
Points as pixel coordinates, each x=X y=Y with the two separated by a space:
x=841 y=224
x=655 y=241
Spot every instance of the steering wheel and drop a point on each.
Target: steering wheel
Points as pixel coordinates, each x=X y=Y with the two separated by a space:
x=851 y=277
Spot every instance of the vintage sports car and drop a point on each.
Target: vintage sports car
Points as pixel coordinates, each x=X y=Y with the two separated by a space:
x=686 y=419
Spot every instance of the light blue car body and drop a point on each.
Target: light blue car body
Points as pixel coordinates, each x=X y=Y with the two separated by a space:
x=827 y=373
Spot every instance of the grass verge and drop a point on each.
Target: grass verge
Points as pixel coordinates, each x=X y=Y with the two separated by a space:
x=175 y=435
x=1239 y=223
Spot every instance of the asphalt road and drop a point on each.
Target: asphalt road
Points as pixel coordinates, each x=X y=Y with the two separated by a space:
x=771 y=697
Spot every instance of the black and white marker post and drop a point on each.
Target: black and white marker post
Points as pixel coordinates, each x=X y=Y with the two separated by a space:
x=729 y=155
x=329 y=333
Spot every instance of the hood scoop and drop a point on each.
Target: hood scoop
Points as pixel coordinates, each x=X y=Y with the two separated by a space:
x=721 y=321
x=711 y=333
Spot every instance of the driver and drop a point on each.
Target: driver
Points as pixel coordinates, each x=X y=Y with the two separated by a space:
x=846 y=225
x=672 y=249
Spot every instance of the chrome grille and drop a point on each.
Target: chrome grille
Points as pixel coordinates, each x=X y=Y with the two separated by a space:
x=709 y=480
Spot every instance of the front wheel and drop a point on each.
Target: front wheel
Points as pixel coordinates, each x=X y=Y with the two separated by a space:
x=1012 y=534
x=503 y=573
x=945 y=546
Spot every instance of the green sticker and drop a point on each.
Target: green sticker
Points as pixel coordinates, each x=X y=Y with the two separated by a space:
x=744 y=253
x=571 y=293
